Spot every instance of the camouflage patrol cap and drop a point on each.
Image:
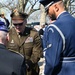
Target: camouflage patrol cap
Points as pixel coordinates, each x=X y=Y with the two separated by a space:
x=3 y=26
x=47 y=3
x=18 y=15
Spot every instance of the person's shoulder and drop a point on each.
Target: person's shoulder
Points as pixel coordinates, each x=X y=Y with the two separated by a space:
x=16 y=53
x=11 y=28
x=40 y=30
x=33 y=30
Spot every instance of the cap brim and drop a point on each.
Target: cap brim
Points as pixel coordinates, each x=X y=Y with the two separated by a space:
x=47 y=6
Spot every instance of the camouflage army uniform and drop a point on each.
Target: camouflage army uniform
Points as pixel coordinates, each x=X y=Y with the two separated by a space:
x=29 y=44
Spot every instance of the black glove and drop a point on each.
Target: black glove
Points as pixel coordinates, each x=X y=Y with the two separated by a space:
x=29 y=64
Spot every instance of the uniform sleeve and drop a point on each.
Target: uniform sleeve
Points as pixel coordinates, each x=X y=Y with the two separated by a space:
x=37 y=51
x=53 y=51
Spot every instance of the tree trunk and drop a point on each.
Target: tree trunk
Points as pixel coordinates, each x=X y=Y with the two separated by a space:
x=43 y=15
x=20 y=5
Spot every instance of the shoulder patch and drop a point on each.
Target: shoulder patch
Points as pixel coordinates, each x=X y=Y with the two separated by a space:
x=34 y=33
x=17 y=53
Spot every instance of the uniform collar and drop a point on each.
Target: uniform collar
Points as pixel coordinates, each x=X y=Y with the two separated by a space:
x=2 y=46
x=60 y=14
x=26 y=32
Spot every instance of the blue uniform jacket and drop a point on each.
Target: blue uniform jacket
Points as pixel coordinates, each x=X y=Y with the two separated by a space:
x=11 y=63
x=59 y=46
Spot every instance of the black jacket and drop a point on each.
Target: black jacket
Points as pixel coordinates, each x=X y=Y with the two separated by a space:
x=11 y=63
x=41 y=31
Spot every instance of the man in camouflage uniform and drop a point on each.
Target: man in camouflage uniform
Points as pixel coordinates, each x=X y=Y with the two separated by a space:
x=26 y=41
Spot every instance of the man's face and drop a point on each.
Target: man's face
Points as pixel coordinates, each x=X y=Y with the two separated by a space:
x=2 y=15
x=51 y=12
x=19 y=24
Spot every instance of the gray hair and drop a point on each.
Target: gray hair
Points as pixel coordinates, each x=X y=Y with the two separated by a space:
x=3 y=36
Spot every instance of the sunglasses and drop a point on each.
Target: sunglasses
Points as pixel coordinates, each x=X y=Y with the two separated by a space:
x=18 y=24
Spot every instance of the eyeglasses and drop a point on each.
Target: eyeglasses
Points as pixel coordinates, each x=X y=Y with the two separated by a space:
x=18 y=24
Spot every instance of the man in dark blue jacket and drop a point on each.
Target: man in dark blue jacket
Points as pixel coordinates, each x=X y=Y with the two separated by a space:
x=11 y=63
x=59 y=40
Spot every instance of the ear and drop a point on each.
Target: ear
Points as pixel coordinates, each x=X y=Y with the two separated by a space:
x=56 y=8
x=7 y=37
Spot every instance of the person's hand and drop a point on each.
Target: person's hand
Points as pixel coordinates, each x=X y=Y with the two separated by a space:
x=29 y=64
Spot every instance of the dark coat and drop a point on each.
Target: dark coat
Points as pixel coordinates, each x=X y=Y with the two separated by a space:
x=29 y=44
x=41 y=31
x=11 y=63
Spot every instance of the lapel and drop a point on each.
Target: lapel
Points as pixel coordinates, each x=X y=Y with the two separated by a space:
x=15 y=36
x=25 y=35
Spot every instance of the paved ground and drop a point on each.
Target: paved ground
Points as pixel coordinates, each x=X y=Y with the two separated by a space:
x=41 y=64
